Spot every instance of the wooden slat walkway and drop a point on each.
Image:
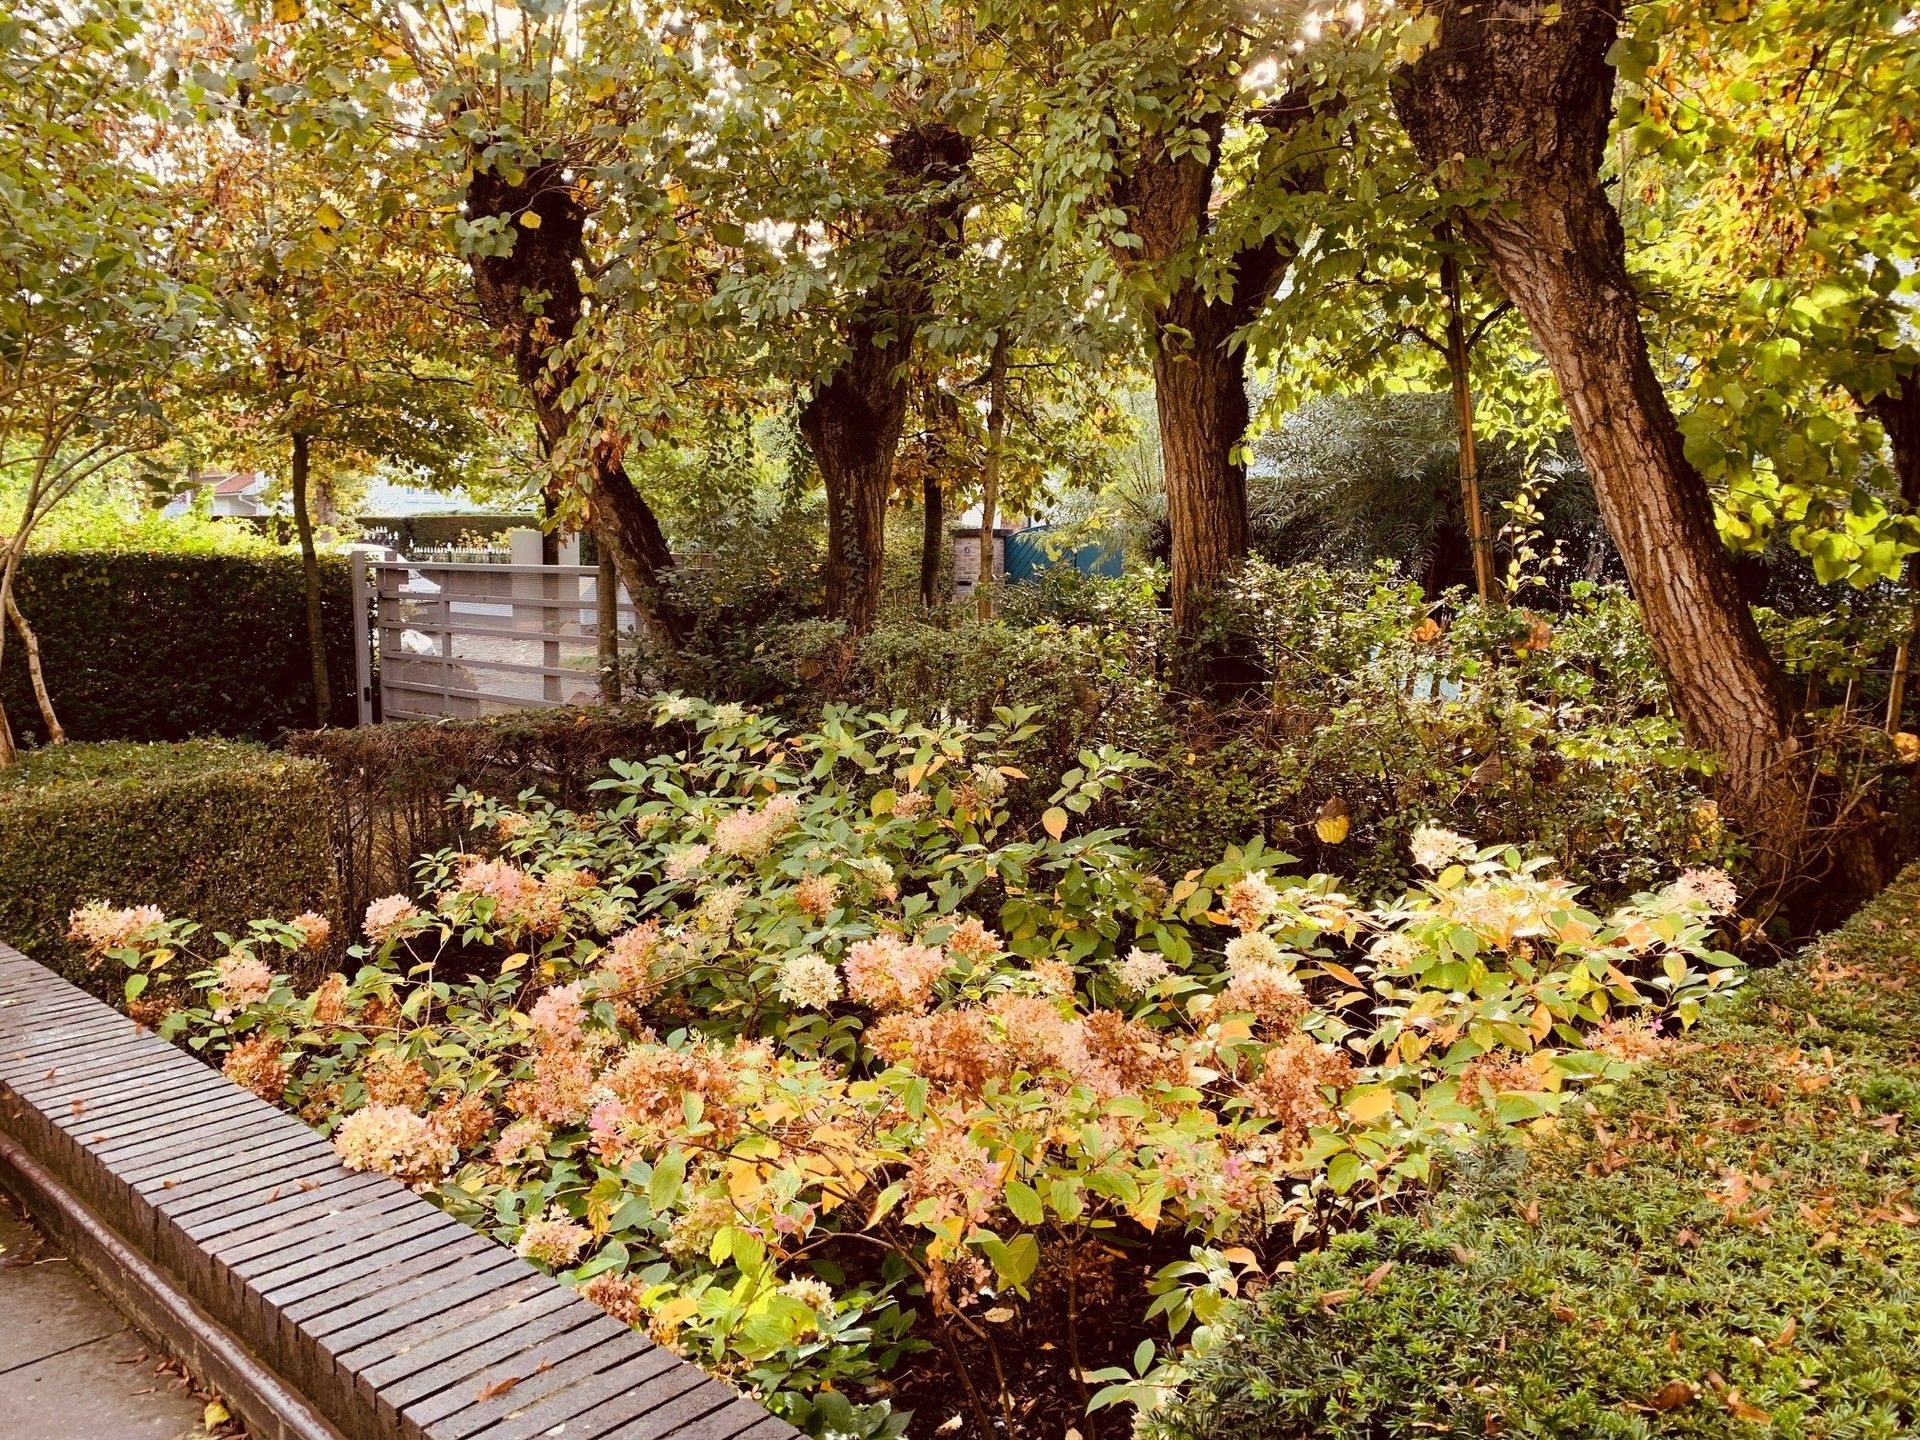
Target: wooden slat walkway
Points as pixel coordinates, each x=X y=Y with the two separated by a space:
x=393 y=1319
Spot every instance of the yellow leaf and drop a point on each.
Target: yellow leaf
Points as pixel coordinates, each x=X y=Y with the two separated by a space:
x=328 y=218
x=530 y=219
x=1369 y=1105
x=215 y=1413
x=1333 y=822
x=1054 y=822
x=285 y=11
x=514 y=961
x=1542 y=1023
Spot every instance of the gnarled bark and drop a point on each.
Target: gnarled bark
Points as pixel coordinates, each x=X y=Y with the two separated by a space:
x=1199 y=379
x=532 y=296
x=853 y=420
x=1523 y=86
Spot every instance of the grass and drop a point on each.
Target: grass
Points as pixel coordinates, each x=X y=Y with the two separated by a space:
x=1727 y=1245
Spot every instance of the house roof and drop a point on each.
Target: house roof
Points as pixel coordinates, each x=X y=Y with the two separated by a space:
x=238 y=483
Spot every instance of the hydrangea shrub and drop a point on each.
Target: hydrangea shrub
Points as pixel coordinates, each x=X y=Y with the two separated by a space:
x=801 y=1054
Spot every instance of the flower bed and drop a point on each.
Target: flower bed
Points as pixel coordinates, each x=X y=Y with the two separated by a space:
x=1726 y=1245
x=801 y=1054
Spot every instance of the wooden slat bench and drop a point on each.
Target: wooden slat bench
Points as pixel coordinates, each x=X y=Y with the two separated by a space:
x=324 y=1304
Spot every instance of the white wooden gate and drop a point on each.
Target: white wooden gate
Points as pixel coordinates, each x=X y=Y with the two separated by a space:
x=470 y=639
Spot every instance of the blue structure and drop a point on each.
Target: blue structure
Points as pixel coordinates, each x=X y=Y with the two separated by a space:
x=1027 y=556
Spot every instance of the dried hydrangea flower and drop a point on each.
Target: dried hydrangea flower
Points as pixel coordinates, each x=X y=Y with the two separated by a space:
x=394 y=1141
x=389 y=916
x=554 y=1240
x=809 y=981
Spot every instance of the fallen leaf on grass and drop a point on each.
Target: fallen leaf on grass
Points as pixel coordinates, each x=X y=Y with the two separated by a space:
x=1673 y=1394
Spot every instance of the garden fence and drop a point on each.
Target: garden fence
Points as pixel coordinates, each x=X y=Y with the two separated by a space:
x=468 y=639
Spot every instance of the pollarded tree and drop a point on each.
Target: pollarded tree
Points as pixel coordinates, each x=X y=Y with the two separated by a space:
x=1519 y=95
x=1193 y=144
x=497 y=134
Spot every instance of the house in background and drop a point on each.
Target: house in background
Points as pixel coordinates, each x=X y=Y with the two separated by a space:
x=232 y=493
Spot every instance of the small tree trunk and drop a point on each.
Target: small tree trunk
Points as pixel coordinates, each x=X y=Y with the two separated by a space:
x=1524 y=85
x=56 y=733
x=1460 y=374
x=933 y=523
x=606 y=591
x=1899 y=415
x=990 y=474
x=310 y=574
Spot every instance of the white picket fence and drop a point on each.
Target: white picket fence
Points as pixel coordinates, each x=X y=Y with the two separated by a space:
x=468 y=639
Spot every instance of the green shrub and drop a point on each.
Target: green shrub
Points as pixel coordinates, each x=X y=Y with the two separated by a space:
x=1727 y=1245
x=391 y=782
x=1382 y=710
x=220 y=831
x=809 y=1054
x=148 y=646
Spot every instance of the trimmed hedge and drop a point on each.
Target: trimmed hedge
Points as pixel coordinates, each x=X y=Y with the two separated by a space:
x=144 y=646
x=391 y=782
x=219 y=832
x=1727 y=1246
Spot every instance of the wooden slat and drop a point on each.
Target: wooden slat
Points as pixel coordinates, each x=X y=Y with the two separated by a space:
x=385 y=1315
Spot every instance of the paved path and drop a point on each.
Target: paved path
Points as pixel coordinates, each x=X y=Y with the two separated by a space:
x=71 y=1368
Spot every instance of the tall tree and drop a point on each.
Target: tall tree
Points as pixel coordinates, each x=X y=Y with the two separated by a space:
x=1193 y=145
x=1518 y=96
x=98 y=305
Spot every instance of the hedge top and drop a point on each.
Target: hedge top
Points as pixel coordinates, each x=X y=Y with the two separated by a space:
x=1728 y=1245
x=123 y=764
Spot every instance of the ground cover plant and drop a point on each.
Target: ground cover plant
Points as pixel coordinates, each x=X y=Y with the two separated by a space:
x=803 y=1055
x=1725 y=1245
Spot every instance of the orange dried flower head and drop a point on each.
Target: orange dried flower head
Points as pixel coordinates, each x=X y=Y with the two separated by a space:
x=1288 y=1089
x=617 y=1295
x=815 y=895
x=329 y=1001
x=394 y=1079
x=315 y=930
x=258 y=1064
x=466 y=1120
x=973 y=941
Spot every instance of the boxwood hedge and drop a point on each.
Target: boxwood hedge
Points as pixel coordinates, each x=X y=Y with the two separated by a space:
x=1729 y=1245
x=219 y=832
x=145 y=646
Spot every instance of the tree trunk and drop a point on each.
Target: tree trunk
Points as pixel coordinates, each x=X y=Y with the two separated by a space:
x=1198 y=373
x=933 y=523
x=532 y=296
x=852 y=425
x=606 y=592
x=1525 y=85
x=853 y=421
x=1201 y=399
x=1460 y=377
x=1899 y=415
x=990 y=477
x=310 y=576
x=30 y=642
